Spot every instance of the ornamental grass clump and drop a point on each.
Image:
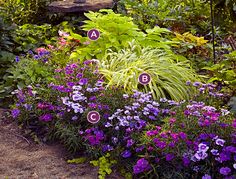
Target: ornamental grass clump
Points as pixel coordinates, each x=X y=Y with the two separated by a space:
x=168 y=73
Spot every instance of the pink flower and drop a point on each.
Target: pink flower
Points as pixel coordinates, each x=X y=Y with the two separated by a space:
x=40 y=50
x=172 y=120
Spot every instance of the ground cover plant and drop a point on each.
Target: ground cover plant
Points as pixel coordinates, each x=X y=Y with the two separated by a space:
x=181 y=124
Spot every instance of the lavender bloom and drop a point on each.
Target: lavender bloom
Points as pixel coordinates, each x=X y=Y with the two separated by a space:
x=74 y=118
x=200 y=155
x=203 y=147
x=225 y=170
x=214 y=152
x=196 y=84
x=220 y=142
x=15 y=113
x=188 y=83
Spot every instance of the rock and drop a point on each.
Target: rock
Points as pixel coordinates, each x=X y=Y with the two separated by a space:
x=68 y=6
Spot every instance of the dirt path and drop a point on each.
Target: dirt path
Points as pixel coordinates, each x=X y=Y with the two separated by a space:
x=22 y=160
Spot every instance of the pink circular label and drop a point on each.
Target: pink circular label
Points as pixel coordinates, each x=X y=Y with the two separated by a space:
x=93 y=117
x=144 y=78
x=93 y=34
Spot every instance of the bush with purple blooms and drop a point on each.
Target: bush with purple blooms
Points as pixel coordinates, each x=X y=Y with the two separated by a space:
x=165 y=138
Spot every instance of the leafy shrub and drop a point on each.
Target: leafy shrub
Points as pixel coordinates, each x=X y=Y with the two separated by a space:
x=168 y=75
x=224 y=73
x=180 y=15
x=116 y=30
x=27 y=70
x=23 y=11
x=29 y=37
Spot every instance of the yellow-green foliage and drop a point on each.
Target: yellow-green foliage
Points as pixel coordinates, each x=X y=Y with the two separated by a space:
x=104 y=164
x=77 y=160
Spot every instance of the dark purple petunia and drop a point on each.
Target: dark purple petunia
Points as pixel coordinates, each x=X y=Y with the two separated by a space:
x=142 y=165
x=170 y=157
x=46 y=117
x=126 y=154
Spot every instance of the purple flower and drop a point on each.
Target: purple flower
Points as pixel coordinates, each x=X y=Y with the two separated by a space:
x=220 y=142
x=196 y=84
x=15 y=113
x=234 y=165
x=126 y=154
x=203 y=147
x=142 y=165
x=83 y=81
x=92 y=98
x=36 y=57
x=188 y=83
x=106 y=148
x=130 y=142
x=139 y=149
x=200 y=155
x=28 y=106
x=46 y=117
x=206 y=176
x=186 y=161
x=225 y=170
x=170 y=157
x=79 y=75
x=224 y=156
x=214 y=152
x=17 y=59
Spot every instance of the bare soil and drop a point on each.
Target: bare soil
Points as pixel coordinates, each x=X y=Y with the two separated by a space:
x=23 y=159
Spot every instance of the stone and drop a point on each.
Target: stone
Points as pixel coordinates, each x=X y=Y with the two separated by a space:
x=70 y=6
